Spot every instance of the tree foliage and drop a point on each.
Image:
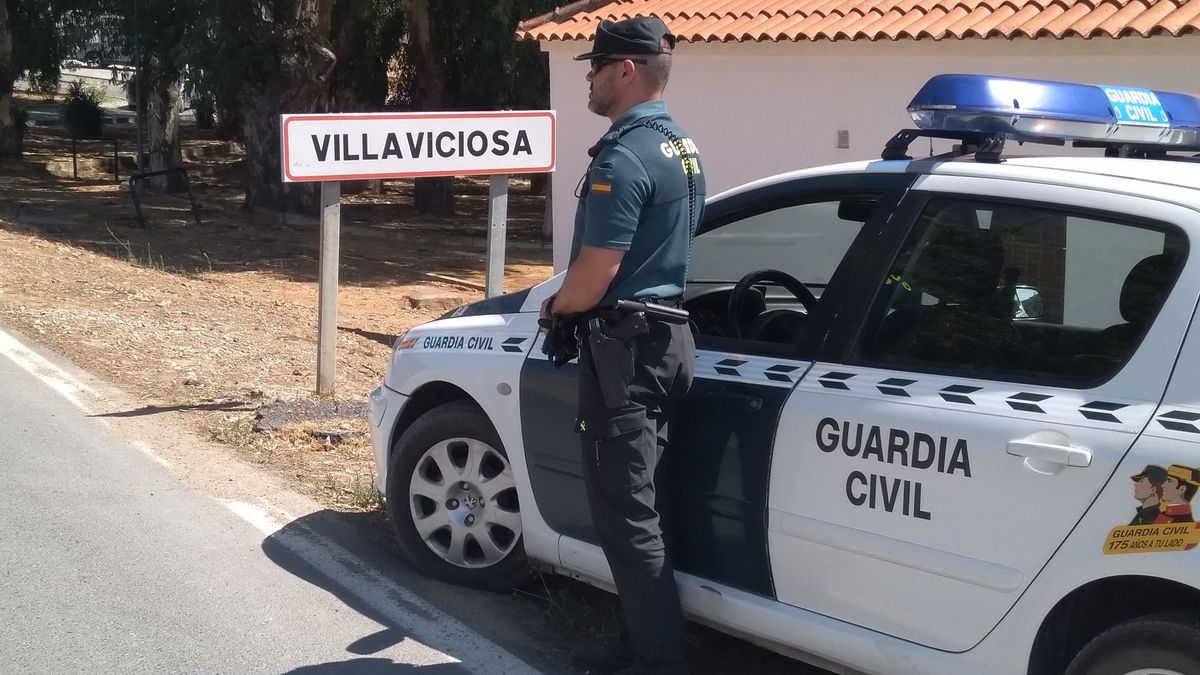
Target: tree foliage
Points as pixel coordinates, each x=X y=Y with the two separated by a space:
x=486 y=67
x=256 y=59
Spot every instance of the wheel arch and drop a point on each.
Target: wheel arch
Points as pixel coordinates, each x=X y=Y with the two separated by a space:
x=1097 y=606
x=425 y=398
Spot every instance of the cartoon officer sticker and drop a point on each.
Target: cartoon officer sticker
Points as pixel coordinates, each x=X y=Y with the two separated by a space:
x=1164 y=521
x=1178 y=488
x=1147 y=490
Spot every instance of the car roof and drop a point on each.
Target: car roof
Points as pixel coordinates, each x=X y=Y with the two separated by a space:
x=1074 y=170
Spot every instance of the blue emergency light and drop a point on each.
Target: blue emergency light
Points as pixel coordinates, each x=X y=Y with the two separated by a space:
x=1057 y=111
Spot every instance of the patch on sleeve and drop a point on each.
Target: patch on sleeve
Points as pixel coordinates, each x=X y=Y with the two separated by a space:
x=601 y=186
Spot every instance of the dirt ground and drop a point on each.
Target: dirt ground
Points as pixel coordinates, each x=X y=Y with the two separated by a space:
x=220 y=318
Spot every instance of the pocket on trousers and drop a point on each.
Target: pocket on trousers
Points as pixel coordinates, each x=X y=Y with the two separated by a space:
x=620 y=459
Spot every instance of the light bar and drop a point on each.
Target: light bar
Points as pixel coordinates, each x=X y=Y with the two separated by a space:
x=1056 y=111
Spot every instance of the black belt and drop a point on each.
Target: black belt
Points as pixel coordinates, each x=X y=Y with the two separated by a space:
x=675 y=302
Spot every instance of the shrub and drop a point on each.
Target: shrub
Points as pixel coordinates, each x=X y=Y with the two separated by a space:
x=44 y=84
x=83 y=114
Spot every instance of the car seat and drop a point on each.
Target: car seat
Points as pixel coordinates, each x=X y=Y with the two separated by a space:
x=1142 y=295
x=970 y=326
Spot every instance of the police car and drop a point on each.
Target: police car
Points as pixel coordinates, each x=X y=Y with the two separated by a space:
x=946 y=417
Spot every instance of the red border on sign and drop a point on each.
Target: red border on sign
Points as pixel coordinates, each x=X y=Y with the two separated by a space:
x=417 y=174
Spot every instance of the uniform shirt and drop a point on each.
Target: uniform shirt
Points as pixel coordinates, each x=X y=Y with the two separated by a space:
x=634 y=198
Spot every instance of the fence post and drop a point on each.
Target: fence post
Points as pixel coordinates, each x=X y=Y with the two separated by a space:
x=74 y=159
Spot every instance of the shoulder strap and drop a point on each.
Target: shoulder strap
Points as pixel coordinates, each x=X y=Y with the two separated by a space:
x=688 y=167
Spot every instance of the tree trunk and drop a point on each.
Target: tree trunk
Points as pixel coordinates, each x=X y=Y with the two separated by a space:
x=434 y=196
x=10 y=143
x=301 y=87
x=162 y=124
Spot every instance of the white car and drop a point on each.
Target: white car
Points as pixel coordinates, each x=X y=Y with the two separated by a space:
x=973 y=452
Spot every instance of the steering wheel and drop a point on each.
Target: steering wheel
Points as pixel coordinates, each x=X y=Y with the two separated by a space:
x=737 y=297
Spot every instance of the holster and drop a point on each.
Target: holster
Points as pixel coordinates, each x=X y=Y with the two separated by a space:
x=610 y=343
x=561 y=343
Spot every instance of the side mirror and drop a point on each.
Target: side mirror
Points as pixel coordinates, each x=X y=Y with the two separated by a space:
x=857 y=209
x=1027 y=303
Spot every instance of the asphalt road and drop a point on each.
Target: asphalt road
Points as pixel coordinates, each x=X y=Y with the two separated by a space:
x=110 y=563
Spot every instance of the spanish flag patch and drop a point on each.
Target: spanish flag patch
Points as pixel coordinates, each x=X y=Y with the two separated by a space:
x=601 y=187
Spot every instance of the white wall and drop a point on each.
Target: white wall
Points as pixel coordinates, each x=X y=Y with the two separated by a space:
x=760 y=109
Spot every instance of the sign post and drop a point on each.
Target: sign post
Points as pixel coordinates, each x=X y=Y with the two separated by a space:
x=497 y=226
x=375 y=146
x=331 y=225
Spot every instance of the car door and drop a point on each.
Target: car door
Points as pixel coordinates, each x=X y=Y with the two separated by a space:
x=941 y=449
x=713 y=481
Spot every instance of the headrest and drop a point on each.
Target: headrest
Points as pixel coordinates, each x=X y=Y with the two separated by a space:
x=1146 y=286
x=961 y=265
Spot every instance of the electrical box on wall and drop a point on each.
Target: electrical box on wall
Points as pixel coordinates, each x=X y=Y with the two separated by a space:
x=843 y=138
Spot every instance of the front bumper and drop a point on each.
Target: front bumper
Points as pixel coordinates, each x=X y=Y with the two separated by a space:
x=384 y=407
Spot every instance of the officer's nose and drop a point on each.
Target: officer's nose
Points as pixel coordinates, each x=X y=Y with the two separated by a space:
x=590 y=75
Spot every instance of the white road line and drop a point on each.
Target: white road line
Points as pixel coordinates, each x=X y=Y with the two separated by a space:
x=56 y=378
x=402 y=608
x=62 y=382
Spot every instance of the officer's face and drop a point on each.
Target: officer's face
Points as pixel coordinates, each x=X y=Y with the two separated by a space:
x=602 y=78
x=1172 y=490
x=1143 y=489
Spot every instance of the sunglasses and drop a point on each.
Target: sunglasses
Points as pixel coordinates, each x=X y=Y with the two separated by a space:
x=599 y=62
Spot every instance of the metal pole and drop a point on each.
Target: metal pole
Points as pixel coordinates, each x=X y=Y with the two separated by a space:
x=74 y=159
x=497 y=224
x=331 y=220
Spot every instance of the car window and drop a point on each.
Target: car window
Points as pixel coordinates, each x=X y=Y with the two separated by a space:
x=806 y=241
x=1022 y=293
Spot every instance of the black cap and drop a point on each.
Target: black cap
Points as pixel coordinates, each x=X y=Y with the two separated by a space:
x=1152 y=471
x=639 y=35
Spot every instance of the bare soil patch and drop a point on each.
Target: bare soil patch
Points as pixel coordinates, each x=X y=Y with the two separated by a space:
x=220 y=318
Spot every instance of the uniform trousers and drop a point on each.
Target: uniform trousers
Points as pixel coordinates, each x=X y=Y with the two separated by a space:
x=622 y=447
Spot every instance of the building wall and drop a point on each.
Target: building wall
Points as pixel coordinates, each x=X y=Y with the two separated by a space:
x=761 y=109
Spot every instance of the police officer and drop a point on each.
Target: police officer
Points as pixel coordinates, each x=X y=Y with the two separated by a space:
x=638 y=205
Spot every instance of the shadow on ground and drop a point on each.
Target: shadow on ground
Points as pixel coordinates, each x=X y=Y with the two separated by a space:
x=377 y=667
x=226 y=406
x=542 y=623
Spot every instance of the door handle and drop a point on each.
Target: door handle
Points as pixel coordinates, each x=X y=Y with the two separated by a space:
x=1051 y=452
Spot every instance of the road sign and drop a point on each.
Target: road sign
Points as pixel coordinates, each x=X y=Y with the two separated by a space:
x=363 y=146
x=409 y=145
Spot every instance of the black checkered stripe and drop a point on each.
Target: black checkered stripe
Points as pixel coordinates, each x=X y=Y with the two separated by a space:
x=514 y=345
x=753 y=369
x=1058 y=405
x=1173 y=421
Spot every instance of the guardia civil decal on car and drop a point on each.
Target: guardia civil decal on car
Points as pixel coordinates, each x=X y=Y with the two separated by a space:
x=946 y=417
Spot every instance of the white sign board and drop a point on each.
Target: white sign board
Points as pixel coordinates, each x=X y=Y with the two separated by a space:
x=406 y=145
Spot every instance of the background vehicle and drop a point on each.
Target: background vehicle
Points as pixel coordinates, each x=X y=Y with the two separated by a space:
x=923 y=387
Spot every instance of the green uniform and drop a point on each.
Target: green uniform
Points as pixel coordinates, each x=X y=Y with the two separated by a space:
x=634 y=198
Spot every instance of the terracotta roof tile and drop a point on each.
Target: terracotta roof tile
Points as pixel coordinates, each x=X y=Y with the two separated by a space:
x=1177 y=21
x=794 y=20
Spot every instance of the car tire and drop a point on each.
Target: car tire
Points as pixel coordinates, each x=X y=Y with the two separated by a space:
x=1162 y=644
x=452 y=500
